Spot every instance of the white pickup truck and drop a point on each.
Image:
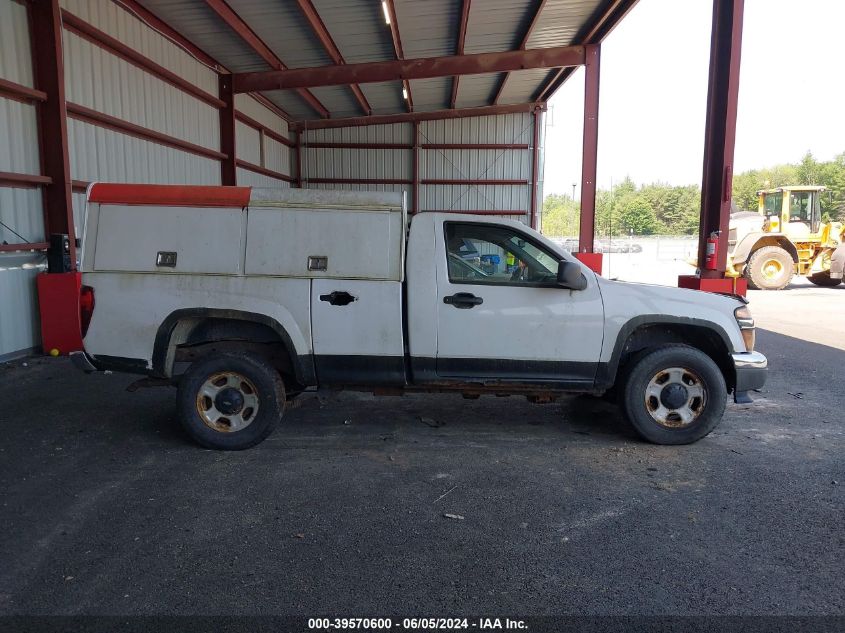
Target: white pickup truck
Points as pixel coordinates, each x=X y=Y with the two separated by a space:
x=245 y=297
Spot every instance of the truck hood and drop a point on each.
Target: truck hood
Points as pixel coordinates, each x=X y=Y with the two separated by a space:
x=624 y=301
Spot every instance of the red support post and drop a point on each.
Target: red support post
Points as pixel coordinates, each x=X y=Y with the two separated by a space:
x=586 y=235
x=535 y=164
x=228 y=165
x=416 y=167
x=46 y=24
x=720 y=132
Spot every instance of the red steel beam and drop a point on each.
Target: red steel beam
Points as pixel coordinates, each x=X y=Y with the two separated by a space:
x=79 y=26
x=535 y=165
x=264 y=171
x=228 y=146
x=361 y=181
x=397 y=49
x=406 y=117
x=28 y=246
x=405 y=69
x=462 y=36
x=596 y=31
x=257 y=125
x=589 y=162
x=319 y=28
x=474 y=181
x=236 y=23
x=522 y=47
x=147 y=16
x=19 y=92
x=12 y=179
x=46 y=29
x=720 y=130
x=359 y=146
x=82 y=113
x=474 y=146
x=416 y=167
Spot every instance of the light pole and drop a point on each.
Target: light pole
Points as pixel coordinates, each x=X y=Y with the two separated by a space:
x=573 y=191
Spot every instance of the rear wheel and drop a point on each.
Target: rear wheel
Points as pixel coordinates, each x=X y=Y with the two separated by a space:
x=824 y=279
x=230 y=401
x=674 y=395
x=770 y=268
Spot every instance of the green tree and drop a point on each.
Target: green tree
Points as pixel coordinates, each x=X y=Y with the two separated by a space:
x=637 y=215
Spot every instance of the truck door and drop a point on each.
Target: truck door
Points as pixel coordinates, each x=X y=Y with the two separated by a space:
x=357 y=332
x=511 y=322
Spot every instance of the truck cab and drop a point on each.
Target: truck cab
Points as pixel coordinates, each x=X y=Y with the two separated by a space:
x=243 y=298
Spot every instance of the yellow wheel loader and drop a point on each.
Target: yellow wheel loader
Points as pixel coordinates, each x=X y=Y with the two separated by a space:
x=786 y=236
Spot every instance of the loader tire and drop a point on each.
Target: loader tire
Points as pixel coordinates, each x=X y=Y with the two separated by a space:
x=824 y=280
x=770 y=268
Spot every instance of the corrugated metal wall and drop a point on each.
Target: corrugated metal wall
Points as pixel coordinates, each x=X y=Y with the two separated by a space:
x=21 y=209
x=511 y=164
x=100 y=80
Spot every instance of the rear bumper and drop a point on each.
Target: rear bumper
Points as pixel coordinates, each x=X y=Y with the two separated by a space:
x=751 y=369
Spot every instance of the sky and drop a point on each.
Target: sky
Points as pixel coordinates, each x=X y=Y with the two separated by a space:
x=654 y=70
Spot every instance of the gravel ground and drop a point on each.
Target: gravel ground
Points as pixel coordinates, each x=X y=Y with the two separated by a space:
x=429 y=505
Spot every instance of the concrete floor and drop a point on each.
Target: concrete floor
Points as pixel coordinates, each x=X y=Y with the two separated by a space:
x=108 y=509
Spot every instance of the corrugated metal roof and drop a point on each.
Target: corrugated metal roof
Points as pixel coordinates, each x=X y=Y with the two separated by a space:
x=427 y=28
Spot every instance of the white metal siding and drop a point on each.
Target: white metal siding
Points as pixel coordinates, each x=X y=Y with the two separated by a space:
x=254 y=110
x=247 y=143
x=104 y=82
x=20 y=208
x=249 y=178
x=131 y=31
x=15 y=57
x=101 y=154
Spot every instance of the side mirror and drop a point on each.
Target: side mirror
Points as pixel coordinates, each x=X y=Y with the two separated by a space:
x=569 y=275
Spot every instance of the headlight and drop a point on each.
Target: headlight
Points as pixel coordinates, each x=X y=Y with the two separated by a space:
x=746 y=326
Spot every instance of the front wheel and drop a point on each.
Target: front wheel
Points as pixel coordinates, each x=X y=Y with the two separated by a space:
x=674 y=395
x=230 y=401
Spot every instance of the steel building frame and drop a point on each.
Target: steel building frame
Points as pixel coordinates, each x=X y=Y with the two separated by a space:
x=47 y=20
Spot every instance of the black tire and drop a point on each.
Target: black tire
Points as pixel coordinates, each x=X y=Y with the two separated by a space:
x=824 y=280
x=698 y=372
x=770 y=268
x=248 y=379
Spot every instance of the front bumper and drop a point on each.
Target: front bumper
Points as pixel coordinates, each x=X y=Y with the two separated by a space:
x=751 y=370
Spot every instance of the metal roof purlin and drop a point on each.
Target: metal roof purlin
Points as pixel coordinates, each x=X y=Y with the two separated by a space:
x=462 y=36
x=319 y=27
x=522 y=46
x=237 y=24
x=397 y=48
x=424 y=68
x=594 y=33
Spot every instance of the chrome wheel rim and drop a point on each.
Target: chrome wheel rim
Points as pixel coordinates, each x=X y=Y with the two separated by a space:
x=227 y=402
x=675 y=397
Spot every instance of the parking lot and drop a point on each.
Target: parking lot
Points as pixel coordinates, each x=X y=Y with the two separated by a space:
x=555 y=509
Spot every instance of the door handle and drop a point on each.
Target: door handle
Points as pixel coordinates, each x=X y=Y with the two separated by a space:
x=338 y=298
x=463 y=300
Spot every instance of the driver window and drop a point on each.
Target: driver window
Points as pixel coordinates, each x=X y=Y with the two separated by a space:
x=485 y=253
